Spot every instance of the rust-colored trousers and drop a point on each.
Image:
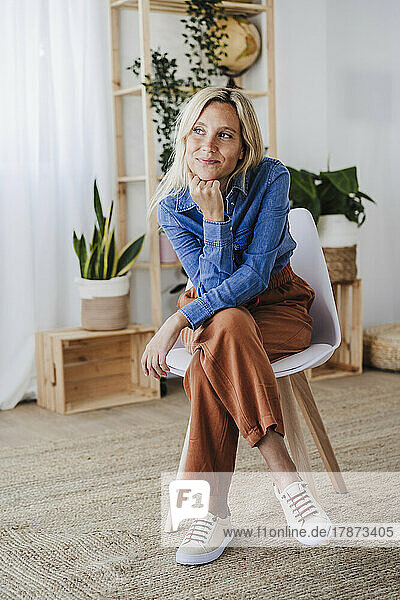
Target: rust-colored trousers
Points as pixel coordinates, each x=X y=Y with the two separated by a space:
x=230 y=383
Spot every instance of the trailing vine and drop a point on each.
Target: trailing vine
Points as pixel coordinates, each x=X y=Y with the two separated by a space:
x=164 y=89
x=205 y=45
x=206 y=32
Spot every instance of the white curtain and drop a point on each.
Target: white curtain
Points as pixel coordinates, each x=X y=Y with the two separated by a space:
x=55 y=138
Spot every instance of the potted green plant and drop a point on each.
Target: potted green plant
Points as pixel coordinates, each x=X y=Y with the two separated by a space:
x=105 y=272
x=335 y=202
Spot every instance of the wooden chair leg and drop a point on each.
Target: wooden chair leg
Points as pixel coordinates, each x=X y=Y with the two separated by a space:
x=305 y=399
x=294 y=433
x=168 y=522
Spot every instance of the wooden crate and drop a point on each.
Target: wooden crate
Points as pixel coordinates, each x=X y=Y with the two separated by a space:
x=347 y=359
x=80 y=370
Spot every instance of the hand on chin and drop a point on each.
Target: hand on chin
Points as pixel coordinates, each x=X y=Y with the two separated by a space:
x=201 y=176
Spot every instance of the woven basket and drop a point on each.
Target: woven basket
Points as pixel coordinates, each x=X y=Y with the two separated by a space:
x=381 y=346
x=341 y=263
x=104 y=302
x=104 y=314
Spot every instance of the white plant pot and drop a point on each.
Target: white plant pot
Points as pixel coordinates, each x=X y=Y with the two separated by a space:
x=104 y=302
x=336 y=231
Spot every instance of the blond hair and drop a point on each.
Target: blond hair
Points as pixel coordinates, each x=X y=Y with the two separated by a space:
x=176 y=179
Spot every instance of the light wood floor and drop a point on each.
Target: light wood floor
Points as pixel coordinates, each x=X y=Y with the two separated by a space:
x=27 y=423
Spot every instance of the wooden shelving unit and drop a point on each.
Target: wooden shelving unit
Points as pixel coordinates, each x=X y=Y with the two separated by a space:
x=347 y=359
x=150 y=178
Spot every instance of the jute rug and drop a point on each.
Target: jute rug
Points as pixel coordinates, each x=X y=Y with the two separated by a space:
x=80 y=518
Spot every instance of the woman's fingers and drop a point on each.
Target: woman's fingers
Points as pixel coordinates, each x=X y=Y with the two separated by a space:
x=143 y=362
x=197 y=185
x=151 y=369
x=155 y=366
x=163 y=362
x=210 y=187
x=146 y=363
x=154 y=372
x=154 y=357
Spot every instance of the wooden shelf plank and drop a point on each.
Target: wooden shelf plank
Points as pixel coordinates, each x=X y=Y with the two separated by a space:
x=74 y=333
x=137 y=90
x=130 y=178
x=179 y=6
x=131 y=91
x=118 y=399
x=257 y=93
x=142 y=264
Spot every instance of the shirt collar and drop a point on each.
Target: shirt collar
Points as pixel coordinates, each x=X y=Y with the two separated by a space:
x=184 y=200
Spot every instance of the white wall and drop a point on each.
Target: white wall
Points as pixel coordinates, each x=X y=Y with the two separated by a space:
x=337 y=75
x=363 y=129
x=301 y=83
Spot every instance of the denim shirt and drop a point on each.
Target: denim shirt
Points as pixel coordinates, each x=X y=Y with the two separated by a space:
x=230 y=262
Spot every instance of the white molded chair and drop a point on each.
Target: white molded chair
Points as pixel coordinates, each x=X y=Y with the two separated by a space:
x=308 y=262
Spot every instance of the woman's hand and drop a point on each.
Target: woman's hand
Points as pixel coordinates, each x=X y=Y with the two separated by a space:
x=208 y=197
x=153 y=358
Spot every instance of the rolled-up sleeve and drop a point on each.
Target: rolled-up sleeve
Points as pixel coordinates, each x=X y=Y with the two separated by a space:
x=252 y=277
x=216 y=261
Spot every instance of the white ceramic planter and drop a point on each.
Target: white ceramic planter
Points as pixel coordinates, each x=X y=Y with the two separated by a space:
x=336 y=231
x=104 y=302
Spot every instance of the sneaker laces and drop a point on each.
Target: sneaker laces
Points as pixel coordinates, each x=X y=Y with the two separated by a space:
x=199 y=530
x=301 y=505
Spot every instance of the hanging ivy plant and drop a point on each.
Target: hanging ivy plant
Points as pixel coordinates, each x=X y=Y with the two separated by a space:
x=204 y=41
x=164 y=89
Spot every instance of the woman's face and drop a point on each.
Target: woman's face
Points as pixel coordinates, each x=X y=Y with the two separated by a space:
x=215 y=136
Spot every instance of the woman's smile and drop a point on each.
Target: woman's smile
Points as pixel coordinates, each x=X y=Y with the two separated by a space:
x=207 y=162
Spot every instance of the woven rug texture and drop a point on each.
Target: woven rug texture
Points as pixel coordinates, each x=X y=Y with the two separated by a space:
x=80 y=517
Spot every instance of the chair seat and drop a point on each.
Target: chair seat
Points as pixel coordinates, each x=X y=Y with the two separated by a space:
x=178 y=360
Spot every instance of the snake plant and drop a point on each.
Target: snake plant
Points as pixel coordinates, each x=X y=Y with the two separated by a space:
x=103 y=260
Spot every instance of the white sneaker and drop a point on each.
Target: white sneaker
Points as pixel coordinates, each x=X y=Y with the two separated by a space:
x=206 y=540
x=304 y=514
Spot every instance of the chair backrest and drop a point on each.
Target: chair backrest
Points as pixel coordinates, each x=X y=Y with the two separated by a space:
x=308 y=262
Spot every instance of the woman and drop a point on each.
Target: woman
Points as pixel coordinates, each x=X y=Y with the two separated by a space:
x=224 y=207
